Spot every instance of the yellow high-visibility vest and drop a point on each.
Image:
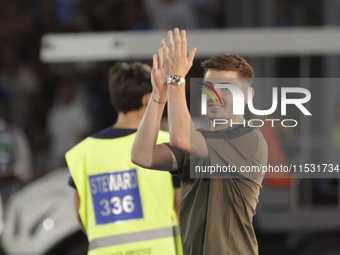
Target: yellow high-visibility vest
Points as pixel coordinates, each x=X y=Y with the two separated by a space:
x=125 y=209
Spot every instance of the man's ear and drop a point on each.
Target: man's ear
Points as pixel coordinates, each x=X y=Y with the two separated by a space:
x=145 y=99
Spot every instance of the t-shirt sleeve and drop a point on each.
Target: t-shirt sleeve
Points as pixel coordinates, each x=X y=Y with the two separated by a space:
x=180 y=157
x=176 y=181
x=71 y=183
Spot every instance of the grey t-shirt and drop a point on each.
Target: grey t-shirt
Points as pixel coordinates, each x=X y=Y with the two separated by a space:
x=216 y=214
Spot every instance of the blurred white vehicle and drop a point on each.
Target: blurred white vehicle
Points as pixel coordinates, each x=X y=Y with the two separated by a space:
x=41 y=219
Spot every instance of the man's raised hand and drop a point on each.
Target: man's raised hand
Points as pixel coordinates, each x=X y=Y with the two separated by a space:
x=176 y=58
x=158 y=78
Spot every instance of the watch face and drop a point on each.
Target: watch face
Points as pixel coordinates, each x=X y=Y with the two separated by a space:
x=175 y=80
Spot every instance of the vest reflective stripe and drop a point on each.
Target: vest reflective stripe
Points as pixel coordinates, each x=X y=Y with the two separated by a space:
x=131 y=237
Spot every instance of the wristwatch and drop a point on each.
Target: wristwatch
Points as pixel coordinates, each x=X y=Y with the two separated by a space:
x=175 y=80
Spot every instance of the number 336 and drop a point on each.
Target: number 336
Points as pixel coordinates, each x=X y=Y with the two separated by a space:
x=118 y=205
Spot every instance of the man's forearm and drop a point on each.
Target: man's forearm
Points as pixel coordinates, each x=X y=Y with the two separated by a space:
x=179 y=118
x=183 y=134
x=144 y=145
